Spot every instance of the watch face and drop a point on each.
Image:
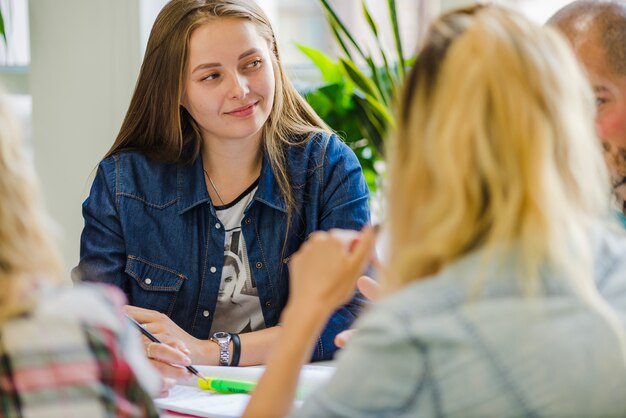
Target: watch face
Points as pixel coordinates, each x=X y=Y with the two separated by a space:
x=221 y=335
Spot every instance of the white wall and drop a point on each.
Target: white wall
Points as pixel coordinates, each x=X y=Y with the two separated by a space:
x=85 y=56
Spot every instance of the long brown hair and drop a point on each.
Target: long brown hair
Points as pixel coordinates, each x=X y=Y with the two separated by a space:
x=157 y=125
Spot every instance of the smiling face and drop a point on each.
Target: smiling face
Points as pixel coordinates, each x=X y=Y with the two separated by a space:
x=229 y=86
x=610 y=91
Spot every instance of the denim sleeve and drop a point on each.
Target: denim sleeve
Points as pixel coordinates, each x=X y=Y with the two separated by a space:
x=102 y=247
x=344 y=205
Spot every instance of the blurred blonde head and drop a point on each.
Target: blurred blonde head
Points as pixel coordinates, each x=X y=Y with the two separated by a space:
x=494 y=148
x=27 y=251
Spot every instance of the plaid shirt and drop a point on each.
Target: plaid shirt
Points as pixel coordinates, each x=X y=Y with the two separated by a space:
x=74 y=357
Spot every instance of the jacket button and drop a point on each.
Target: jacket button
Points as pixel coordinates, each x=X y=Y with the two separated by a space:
x=259 y=264
x=268 y=304
x=218 y=226
x=206 y=314
x=212 y=269
x=148 y=281
x=248 y=221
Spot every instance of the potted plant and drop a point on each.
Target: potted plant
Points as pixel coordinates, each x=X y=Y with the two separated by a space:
x=356 y=100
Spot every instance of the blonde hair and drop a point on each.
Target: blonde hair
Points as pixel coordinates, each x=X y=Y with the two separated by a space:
x=27 y=250
x=160 y=127
x=495 y=148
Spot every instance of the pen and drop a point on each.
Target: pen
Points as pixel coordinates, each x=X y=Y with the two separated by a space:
x=226 y=385
x=154 y=339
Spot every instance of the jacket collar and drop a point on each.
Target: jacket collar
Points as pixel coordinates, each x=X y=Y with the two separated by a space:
x=269 y=193
x=191 y=187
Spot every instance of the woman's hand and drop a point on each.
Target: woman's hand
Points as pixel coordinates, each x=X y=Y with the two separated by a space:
x=371 y=290
x=178 y=348
x=169 y=358
x=166 y=384
x=323 y=273
x=324 y=270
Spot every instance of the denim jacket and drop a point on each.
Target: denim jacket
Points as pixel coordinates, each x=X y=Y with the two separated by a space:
x=151 y=229
x=432 y=349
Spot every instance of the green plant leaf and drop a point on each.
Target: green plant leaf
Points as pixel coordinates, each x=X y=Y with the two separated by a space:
x=330 y=70
x=341 y=28
x=2 y=29
x=377 y=122
x=368 y=18
x=374 y=70
x=322 y=104
x=382 y=111
x=377 y=79
x=340 y=41
x=365 y=84
x=395 y=27
x=370 y=178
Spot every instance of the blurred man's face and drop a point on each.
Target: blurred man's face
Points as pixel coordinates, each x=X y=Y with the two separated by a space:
x=610 y=91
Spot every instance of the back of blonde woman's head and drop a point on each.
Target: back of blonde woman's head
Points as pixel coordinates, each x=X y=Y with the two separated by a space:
x=494 y=146
x=27 y=250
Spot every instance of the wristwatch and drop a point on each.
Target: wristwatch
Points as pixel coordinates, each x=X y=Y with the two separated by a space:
x=222 y=339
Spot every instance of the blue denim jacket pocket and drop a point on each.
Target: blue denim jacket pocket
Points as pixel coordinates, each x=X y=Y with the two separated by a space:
x=154 y=286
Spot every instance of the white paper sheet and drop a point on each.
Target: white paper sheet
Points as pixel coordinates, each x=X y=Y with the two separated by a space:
x=189 y=399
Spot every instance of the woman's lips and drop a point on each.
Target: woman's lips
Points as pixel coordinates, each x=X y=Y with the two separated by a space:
x=243 y=111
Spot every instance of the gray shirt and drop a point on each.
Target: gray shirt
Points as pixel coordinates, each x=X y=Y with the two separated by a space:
x=431 y=350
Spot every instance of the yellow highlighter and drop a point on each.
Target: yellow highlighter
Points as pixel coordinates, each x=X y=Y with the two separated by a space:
x=226 y=385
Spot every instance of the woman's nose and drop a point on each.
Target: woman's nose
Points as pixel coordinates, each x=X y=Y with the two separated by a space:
x=239 y=87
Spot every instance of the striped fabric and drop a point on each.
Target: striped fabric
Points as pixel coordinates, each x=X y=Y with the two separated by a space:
x=70 y=359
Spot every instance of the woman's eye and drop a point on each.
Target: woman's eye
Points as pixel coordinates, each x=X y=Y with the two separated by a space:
x=212 y=76
x=600 y=101
x=254 y=64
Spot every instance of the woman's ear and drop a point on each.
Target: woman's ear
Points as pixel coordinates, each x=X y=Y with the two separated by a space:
x=183 y=100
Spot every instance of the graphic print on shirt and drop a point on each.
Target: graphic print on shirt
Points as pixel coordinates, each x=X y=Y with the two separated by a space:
x=238 y=307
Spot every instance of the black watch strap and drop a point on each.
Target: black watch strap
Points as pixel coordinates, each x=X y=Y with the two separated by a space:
x=234 y=362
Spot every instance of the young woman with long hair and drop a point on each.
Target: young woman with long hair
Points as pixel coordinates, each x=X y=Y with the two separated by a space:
x=218 y=154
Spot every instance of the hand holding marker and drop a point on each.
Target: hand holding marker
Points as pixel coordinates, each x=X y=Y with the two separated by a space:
x=237 y=386
x=217 y=385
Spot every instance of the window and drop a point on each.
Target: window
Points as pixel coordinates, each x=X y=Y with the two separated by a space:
x=14 y=61
x=17 y=53
x=537 y=10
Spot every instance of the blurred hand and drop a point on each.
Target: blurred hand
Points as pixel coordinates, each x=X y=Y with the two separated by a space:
x=324 y=270
x=166 y=385
x=371 y=290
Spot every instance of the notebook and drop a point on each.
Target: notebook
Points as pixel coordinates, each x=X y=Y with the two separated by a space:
x=187 y=398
